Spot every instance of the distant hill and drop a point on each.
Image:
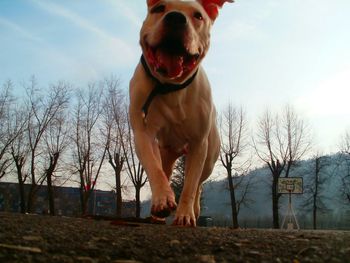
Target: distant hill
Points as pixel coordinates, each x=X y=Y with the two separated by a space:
x=335 y=212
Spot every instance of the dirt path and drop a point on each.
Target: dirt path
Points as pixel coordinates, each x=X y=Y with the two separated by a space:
x=32 y=238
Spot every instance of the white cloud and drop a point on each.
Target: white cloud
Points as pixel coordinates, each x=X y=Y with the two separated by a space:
x=43 y=52
x=118 y=48
x=19 y=30
x=125 y=10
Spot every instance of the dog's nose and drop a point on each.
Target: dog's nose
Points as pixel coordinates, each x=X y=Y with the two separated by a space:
x=175 y=20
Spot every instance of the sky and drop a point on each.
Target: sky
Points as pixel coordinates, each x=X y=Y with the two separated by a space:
x=263 y=54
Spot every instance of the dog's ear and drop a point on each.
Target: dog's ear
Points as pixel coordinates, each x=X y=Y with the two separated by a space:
x=152 y=2
x=212 y=7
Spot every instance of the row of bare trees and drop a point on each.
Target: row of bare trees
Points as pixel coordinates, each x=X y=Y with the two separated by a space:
x=279 y=141
x=33 y=150
x=51 y=136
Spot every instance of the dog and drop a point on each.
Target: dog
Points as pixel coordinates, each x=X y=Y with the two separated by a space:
x=171 y=109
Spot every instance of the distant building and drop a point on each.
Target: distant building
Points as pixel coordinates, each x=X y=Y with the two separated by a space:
x=67 y=201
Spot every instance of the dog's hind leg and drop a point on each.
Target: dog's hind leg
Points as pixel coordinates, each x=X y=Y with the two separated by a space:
x=169 y=158
x=195 y=160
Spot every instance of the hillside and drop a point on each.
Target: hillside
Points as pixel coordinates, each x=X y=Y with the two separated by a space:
x=333 y=211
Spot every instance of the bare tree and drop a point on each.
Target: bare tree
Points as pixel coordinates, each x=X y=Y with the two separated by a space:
x=13 y=142
x=115 y=120
x=233 y=133
x=134 y=168
x=19 y=151
x=42 y=110
x=10 y=127
x=89 y=153
x=57 y=140
x=281 y=141
x=315 y=187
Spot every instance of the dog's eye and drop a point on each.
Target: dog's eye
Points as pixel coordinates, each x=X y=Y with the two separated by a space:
x=198 y=15
x=158 y=9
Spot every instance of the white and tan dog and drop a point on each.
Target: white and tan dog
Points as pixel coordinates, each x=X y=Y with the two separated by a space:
x=171 y=108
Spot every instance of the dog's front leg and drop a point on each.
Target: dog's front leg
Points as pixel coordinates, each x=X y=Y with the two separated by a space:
x=163 y=198
x=195 y=160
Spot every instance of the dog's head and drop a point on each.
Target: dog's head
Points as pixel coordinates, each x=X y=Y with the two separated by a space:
x=175 y=36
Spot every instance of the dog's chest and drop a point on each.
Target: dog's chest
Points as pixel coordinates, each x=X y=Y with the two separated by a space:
x=169 y=110
x=174 y=135
x=171 y=121
x=178 y=121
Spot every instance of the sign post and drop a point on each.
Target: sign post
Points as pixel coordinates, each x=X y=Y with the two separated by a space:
x=290 y=185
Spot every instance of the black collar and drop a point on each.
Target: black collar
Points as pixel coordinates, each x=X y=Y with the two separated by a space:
x=161 y=88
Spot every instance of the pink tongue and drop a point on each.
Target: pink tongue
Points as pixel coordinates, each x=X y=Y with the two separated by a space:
x=173 y=65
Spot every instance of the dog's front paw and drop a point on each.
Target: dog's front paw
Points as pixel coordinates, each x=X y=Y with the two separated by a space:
x=163 y=203
x=184 y=219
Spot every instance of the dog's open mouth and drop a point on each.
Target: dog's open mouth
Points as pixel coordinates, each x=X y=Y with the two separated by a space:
x=171 y=59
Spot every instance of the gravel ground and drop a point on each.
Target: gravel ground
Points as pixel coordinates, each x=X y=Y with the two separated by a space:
x=34 y=238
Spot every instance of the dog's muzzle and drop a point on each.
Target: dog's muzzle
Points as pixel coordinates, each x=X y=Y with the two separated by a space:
x=171 y=56
x=175 y=21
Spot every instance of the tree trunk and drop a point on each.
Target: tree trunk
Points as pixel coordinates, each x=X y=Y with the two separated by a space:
x=138 y=201
x=19 y=166
x=82 y=202
x=22 y=196
x=118 y=169
x=49 y=174
x=31 y=198
x=119 y=200
x=50 y=195
x=116 y=161
x=33 y=186
x=275 y=198
x=233 y=201
x=82 y=194
x=314 y=215
x=84 y=207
